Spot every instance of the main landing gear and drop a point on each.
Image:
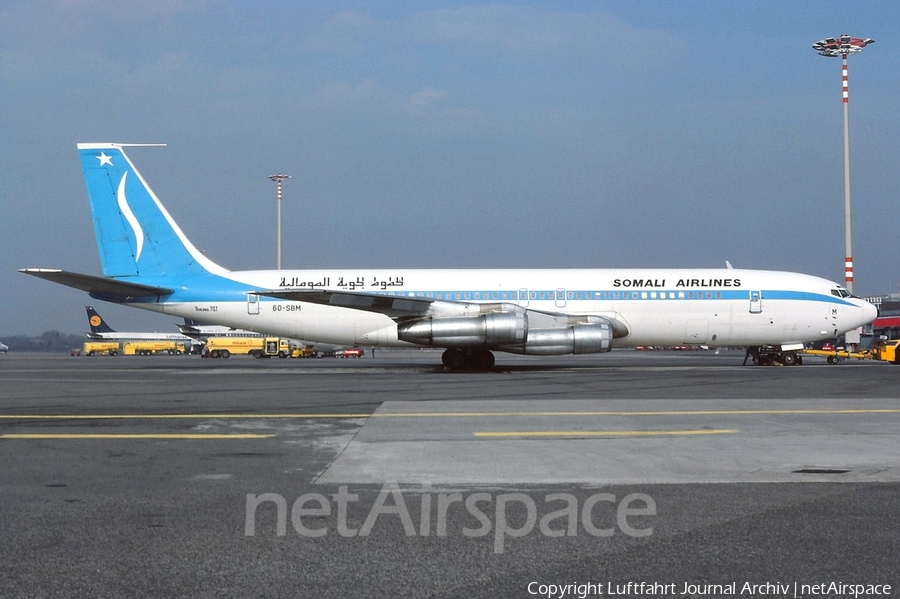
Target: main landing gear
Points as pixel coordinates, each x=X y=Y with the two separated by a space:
x=477 y=359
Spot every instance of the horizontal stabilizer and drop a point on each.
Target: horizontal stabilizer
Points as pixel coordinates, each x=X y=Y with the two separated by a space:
x=99 y=287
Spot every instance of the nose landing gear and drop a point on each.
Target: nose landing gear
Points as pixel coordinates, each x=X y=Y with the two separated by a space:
x=767 y=355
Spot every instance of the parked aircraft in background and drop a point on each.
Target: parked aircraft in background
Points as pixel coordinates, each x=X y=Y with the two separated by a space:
x=148 y=262
x=4 y=348
x=102 y=331
x=197 y=330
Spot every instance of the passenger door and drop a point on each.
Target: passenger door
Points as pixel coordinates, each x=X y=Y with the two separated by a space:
x=755 y=302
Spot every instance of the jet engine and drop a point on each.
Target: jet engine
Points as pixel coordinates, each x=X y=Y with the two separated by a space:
x=591 y=335
x=511 y=331
x=492 y=329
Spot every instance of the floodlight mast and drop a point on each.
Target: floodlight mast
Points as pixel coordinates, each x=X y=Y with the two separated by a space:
x=279 y=179
x=843 y=46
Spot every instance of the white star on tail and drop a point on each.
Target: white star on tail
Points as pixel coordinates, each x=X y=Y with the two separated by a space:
x=104 y=159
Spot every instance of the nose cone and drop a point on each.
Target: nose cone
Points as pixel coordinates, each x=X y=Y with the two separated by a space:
x=870 y=312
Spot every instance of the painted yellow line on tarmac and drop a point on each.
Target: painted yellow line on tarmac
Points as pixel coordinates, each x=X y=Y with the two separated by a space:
x=508 y=434
x=167 y=416
x=641 y=413
x=131 y=436
x=448 y=414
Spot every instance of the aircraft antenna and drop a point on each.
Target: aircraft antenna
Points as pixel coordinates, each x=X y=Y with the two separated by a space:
x=279 y=179
x=833 y=47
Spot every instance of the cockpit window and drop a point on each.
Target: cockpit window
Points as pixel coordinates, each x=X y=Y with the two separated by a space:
x=841 y=293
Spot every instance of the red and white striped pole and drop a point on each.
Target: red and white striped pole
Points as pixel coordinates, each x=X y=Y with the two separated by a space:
x=843 y=46
x=278 y=179
x=848 y=243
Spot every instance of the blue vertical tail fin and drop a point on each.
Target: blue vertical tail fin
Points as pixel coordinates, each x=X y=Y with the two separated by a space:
x=136 y=236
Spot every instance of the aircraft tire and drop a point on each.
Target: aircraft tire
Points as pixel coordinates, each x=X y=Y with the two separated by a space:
x=789 y=358
x=454 y=358
x=481 y=359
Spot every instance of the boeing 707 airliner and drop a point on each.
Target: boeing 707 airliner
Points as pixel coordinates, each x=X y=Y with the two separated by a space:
x=148 y=262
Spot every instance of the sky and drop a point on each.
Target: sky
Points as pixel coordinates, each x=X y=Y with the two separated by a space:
x=595 y=134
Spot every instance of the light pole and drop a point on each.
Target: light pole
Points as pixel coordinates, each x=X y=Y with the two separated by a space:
x=278 y=179
x=843 y=46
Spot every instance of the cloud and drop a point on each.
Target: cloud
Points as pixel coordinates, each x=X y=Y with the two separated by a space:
x=343 y=34
x=422 y=101
x=515 y=32
x=342 y=93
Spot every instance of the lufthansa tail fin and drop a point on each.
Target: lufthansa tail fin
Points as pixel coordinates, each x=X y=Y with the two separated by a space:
x=98 y=325
x=136 y=236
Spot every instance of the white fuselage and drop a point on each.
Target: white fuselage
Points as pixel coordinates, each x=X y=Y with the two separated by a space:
x=658 y=307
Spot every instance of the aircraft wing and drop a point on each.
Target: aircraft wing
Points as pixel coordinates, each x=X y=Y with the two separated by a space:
x=393 y=306
x=410 y=308
x=98 y=287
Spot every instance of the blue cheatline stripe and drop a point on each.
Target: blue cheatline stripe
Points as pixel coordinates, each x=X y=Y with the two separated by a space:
x=215 y=288
x=597 y=295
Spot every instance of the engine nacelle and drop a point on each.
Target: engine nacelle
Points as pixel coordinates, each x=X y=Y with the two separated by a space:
x=492 y=329
x=593 y=336
x=509 y=331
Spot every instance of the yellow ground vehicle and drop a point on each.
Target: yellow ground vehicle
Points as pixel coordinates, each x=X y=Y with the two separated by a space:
x=889 y=351
x=885 y=350
x=304 y=352
x=100 y=348
x=259 y=347
x=149 y=348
